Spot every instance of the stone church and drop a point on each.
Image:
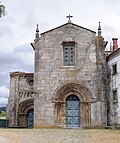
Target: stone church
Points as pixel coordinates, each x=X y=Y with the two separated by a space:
x=68 y=86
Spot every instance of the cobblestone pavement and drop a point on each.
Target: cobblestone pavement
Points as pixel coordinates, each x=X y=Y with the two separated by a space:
x=59 y=136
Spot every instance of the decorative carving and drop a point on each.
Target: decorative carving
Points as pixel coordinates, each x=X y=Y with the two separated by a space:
x=30 y=81
x=60 y=97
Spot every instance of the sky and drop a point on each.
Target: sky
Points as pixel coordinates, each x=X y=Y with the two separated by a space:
x=17 y=29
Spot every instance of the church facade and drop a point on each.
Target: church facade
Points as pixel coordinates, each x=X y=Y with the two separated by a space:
x=68 y=87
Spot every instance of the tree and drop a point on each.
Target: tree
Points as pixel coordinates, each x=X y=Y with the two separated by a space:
x=2 y=10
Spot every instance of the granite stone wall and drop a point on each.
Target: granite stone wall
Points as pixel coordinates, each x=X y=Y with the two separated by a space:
x=50 y=75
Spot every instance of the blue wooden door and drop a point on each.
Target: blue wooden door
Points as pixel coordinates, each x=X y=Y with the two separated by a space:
x=30 y=118
x=72 y=111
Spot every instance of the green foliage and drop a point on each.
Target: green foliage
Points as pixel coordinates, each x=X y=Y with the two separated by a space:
x=2 y=10
x=2 y=115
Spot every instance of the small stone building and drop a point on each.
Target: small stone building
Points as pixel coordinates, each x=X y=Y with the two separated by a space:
x=21 y=100
x=68 y=86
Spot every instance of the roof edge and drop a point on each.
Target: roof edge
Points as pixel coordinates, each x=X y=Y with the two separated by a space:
x=113 y=54
x=67 y=24
x=17 y=73
x=32 y=46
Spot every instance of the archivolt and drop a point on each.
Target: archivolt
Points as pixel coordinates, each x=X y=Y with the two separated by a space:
x=80 y=90
x=59 y=99
x=26 y=105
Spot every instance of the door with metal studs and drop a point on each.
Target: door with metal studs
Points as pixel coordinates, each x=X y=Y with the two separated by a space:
x=72 y=111
x=30 y=118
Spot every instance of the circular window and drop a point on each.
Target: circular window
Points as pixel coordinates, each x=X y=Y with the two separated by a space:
x=31 y=82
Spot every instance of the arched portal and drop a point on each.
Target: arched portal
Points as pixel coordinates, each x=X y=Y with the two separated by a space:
x=72 y=111
x=26 y=113
x=62 y=97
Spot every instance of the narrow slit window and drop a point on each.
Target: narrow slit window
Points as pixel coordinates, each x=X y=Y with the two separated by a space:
x=114 y=68
x=115 y=95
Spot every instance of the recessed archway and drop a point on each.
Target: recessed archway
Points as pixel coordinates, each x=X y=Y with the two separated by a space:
x=25 y=113
x=59 y=99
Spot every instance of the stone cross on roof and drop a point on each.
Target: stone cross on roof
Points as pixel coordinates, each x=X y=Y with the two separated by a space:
x=69 y=18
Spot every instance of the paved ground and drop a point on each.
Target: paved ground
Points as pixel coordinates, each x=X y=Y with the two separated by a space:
x=59 y=136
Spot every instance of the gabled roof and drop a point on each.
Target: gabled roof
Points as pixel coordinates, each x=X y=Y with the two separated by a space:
x=113 y=54
x=68 y=24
